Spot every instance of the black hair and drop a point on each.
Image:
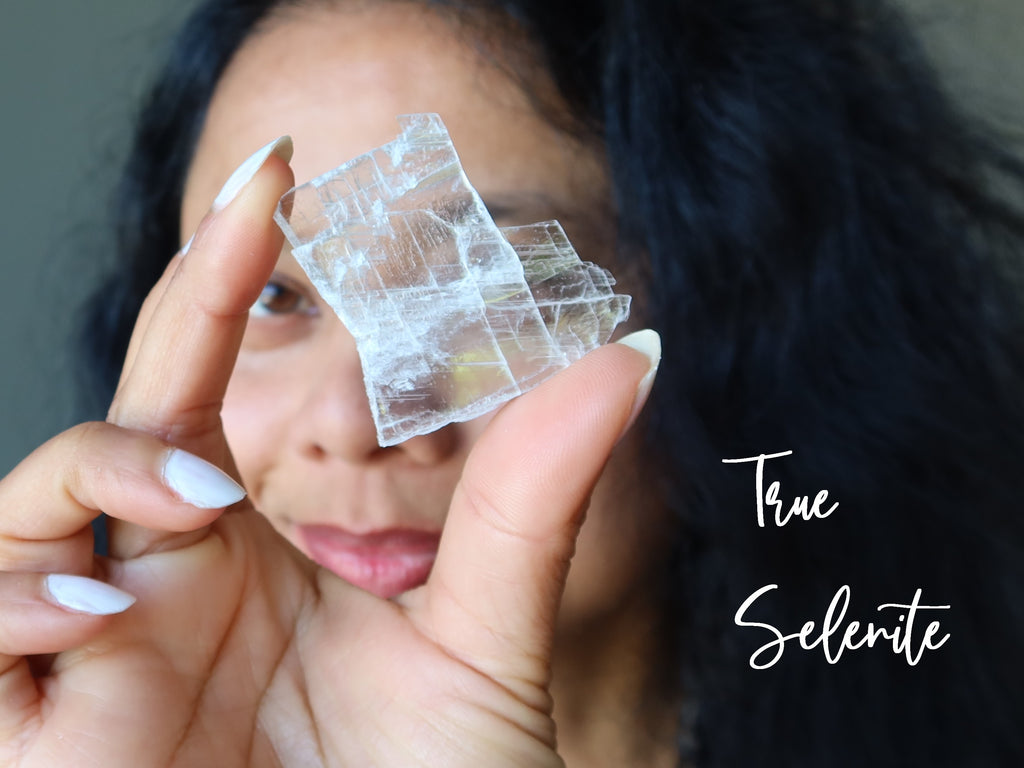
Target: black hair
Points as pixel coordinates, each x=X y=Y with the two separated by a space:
x=832 y=273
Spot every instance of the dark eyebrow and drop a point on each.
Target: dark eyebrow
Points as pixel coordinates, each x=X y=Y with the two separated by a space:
x=528 y=208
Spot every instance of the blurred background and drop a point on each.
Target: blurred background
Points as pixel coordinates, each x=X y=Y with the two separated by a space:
x=71 y=74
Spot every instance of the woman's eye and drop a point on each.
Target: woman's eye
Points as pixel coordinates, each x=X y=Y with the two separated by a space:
x=280 y=298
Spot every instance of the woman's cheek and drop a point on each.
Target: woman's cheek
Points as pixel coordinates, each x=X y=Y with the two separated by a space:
x=255 y=417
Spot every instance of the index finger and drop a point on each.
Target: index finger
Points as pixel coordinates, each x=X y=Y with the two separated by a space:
x=186 y=348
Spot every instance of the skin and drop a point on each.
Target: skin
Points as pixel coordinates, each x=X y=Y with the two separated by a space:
x=336 y=82
x=455 y=672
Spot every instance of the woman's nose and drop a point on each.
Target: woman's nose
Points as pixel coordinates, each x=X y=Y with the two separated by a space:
x=334 y=421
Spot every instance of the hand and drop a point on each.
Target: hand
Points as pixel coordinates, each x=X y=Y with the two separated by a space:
x=239 y=651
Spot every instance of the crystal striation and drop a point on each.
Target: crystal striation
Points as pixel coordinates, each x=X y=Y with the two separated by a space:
x=451 y=315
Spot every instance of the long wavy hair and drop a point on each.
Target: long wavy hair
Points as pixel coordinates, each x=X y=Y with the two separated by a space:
x=833 y=274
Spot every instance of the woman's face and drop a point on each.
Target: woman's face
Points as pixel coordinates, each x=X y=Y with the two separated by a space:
x=296 y=413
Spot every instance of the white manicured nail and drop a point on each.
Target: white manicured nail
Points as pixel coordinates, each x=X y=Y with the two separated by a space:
x=199 y=482
x=648 y=343
x=282 y=147
x=85 y=595
x=187 y=245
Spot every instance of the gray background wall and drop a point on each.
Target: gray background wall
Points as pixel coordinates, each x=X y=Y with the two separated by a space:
x=70 y=73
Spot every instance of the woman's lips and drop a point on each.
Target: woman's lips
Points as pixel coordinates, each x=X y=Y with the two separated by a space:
x=385 y=563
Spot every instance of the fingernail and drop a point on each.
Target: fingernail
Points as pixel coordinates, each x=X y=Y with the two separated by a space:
x=648 y=343
x=85 y=595
x=187 y=245
x=282 y=147
x=199 y=482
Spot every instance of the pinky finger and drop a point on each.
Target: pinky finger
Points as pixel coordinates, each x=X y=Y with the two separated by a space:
x=51 y=613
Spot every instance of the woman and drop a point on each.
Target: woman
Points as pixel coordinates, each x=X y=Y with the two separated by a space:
x=792 y=205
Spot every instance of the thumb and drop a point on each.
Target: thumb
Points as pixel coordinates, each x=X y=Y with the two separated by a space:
x=495 y=588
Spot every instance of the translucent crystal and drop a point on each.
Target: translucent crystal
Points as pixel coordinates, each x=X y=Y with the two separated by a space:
x=451 y=315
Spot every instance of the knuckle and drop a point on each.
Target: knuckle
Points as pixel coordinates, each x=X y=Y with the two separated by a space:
x=84 y=442
x=97 y=455
x=482 y=504
x=84 y=436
